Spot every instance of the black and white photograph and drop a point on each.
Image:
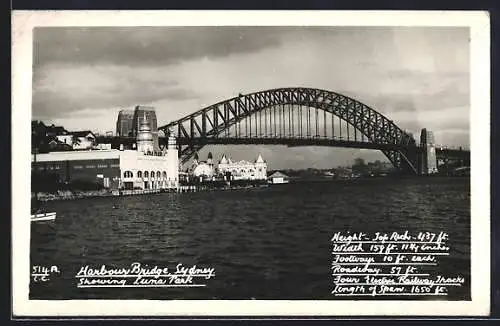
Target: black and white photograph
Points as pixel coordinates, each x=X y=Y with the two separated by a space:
x=302 y=163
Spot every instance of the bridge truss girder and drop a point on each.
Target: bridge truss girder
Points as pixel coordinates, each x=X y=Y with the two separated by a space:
x=213 y=122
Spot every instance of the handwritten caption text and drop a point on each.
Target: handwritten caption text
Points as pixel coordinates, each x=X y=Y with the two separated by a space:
x=390 y=264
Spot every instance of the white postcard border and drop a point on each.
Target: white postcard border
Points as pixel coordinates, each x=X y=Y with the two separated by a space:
x=23 y=23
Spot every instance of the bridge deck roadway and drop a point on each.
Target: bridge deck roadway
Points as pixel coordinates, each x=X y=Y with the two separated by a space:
x=290 y=142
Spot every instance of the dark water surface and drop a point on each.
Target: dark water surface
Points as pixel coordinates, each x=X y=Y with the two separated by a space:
x=268 y=243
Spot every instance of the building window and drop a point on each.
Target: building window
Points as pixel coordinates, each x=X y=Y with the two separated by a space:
x=139 y=174
x=164 y=175
x=146 y=174
x=158 y=174
x=152 y=174
x=128 y=174
x=78 y=167
x=90 y=166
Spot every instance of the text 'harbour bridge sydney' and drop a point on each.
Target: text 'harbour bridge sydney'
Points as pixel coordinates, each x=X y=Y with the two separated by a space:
x=305 y=117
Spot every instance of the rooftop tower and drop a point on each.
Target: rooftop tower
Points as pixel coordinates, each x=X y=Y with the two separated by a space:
x=150 y=113
x=145 y=142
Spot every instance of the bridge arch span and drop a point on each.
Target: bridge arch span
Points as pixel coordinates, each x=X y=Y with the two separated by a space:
x=207 y=126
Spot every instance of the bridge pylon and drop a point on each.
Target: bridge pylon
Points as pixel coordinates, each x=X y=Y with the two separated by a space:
x=427 y=158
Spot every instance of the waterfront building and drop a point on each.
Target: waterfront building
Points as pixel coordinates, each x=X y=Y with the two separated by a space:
x=150 y=113
x=203 y=169
x=53 y=131
x=116 y=169
x=163 y=166
x=78 y=139
x=125 y=123
x=243 y=170
x=57 y=145
x=278 y=178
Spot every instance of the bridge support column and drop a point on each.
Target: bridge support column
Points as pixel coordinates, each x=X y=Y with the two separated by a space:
x=428 y=159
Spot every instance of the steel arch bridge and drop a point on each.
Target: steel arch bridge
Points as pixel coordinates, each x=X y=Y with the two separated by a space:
x=295 y=117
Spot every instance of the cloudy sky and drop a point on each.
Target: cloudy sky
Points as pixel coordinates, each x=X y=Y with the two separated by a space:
x=416 y=76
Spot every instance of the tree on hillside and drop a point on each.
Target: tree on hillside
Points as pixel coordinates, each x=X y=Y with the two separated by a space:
x=39 y=139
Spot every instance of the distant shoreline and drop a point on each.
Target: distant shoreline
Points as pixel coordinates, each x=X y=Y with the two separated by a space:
x=62 y=195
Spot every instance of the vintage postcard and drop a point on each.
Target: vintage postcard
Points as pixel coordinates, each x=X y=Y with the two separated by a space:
x=218 y=163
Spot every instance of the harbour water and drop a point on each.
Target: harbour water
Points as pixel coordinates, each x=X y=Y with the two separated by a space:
x=266 y=243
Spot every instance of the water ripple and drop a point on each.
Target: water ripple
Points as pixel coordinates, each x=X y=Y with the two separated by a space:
x=264 y=244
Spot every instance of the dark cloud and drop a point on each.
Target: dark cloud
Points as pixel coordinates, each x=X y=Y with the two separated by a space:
x=384 y=103
x=50 y=102
x=414 y=125
x=416 y=76
x=418 y=91
x=394 y=103
x=146 y=45
x=130 y=45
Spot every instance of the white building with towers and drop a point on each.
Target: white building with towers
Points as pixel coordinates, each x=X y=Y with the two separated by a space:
x=145 y=168
x=236 y=170
x=203 y=169
x=243 y=170
x=141 y=168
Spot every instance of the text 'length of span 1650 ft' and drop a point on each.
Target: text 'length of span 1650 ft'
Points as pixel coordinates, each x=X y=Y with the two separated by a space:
x=390 y=264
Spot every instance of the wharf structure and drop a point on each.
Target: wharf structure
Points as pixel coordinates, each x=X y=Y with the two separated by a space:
x=143 y=168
